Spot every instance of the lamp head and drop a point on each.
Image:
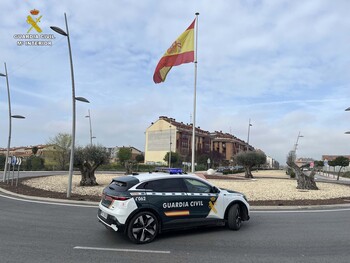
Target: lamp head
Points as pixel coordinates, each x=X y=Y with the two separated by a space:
x=82 y=99
x=18 y=117
x=59 y=30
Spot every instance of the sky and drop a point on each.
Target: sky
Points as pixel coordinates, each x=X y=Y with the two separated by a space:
x=282 y=64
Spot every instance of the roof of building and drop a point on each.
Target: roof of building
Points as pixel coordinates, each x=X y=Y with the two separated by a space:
x=216 y=135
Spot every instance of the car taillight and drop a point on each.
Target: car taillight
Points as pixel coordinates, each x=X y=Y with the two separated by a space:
x=113 y=198
x=120 y=198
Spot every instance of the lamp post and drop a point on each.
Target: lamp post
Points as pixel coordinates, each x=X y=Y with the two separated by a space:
x=347 y=109
x=10 y=121
x=71 y=161
x=249 y=125
x=296 y=145
x=91 y=137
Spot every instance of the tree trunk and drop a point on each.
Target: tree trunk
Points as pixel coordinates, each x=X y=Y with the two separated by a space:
x=339 y=173
x=304 y=181
x=128 y=167
x=248 y=172
x=87 y=175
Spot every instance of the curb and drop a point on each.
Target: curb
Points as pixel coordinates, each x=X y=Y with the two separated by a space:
x=47 y=199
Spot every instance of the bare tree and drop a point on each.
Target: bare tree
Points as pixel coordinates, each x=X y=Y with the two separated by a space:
x=62 y=143
x=304 y=181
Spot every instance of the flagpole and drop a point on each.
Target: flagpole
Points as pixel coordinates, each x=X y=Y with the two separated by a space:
x=194 y=100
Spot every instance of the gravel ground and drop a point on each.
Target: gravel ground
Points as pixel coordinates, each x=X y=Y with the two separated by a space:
x=266 y=186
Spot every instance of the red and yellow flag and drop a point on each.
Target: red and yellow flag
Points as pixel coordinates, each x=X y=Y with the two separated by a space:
x=181 y=51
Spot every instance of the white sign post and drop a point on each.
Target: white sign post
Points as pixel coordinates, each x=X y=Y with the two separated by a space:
x=8 y=170
x=18 y=163
x=13 y=162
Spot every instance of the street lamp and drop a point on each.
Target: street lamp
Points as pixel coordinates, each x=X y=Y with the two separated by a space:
x=71 y=162
x=10 y=122
x=248 y=135
x=91 y=137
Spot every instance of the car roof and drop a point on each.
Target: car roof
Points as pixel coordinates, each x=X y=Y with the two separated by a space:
x=152 y=176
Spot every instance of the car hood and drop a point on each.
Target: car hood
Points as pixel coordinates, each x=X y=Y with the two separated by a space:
x=231 y=191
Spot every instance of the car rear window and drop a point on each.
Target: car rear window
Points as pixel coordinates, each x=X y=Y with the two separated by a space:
x=118 y=183
x=118 y=186
x=123 y=183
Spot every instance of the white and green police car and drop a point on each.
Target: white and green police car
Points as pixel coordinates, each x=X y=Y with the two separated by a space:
x=144 y=205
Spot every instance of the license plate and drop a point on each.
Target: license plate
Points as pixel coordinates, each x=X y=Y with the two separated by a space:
x=104 y=214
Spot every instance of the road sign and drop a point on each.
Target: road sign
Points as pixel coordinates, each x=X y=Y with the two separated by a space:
x=19 y=161
x=13 y=160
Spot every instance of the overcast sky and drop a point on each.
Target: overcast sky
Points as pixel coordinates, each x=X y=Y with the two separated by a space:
x=283 y=64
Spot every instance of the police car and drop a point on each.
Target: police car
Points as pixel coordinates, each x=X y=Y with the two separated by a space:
x=144 y=205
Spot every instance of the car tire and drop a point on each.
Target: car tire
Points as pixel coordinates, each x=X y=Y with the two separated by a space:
x=234 y=220
x=143 y=227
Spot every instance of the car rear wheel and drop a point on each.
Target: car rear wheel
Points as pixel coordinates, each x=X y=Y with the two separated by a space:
x=234 y=218
x=143 y=228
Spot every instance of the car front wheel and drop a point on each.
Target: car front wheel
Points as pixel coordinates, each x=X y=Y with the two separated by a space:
x=143 y=228
x=234 y=218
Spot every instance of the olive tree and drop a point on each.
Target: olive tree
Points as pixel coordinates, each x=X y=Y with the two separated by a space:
x=249 y=159
x=124 y=156
x=88 y=159
x=140 y=158
x=342 y=162
x=175 y=158
x=304 y=181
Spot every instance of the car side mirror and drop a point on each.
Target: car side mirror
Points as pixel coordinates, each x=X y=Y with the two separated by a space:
x=215 y=190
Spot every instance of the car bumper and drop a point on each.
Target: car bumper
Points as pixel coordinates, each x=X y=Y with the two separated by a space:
x=109 y=221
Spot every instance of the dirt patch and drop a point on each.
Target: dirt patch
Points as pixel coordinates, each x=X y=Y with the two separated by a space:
x=31 y=191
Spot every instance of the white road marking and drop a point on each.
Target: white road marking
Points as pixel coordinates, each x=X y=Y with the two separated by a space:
x=300 y=211
x=47 y=203
x=124 y=250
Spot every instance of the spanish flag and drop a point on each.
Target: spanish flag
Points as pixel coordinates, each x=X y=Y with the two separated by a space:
x=181 y=51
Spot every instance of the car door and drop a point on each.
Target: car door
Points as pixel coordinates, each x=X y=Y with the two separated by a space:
x=202 y=200
x=168 y=196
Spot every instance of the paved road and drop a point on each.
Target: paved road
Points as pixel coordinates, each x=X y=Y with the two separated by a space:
x=331 y=178
x=41 y=232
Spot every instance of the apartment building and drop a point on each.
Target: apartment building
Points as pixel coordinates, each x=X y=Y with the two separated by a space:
x=166 y=134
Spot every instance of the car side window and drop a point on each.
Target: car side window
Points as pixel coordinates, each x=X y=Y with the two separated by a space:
x=166 y=185
x=196 y=186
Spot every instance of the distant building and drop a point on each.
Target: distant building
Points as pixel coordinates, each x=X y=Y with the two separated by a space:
x=272 y=163
x=332 y=157
x=113 y=152
x=167 y=134
x=47 y=152
x=304 y=161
